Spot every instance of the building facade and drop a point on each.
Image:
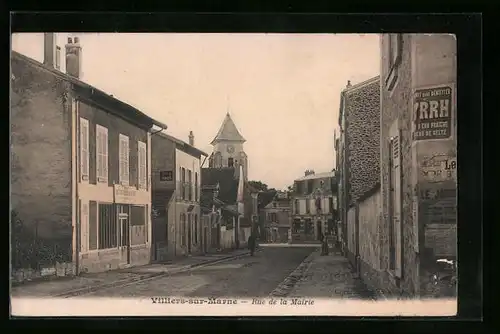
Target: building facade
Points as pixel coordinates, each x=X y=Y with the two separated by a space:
x=418 y=158
x=312 y=207
x=277 y=215
x=359 y=150
x=176 y=195
x=94 y=199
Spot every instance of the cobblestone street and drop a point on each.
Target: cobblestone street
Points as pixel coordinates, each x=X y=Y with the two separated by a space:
x=330 y=276
x=248 y=276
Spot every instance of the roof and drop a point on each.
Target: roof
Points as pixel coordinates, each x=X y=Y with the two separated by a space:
x=352 y=89
x=182 y=144
x=316 y=176
x=228 y=131
x=110 y=103
x=227 y=180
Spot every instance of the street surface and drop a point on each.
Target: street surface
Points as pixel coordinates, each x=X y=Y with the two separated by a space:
x=255 y=276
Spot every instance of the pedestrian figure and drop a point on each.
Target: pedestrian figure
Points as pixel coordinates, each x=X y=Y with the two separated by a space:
x=251 y=243
x=324 y=244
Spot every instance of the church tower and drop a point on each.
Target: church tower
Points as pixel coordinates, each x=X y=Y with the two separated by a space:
x=228 y=148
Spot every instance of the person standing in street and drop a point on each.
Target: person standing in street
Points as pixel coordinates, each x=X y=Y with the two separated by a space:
x=251 y=244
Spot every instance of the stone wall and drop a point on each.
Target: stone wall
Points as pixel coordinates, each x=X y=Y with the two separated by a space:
x=40 y=151
x=362 y=112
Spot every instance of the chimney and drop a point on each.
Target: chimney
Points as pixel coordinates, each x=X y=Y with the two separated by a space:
x=348 y=84
x=191 y=138
x=74 y=57
x=49 y=49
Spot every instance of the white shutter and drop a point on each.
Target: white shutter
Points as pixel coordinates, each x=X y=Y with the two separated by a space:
x=124 y=160
x=105 y=153
x=98 y=152
x=142 y=164
x=396 y=209
x=84 y=149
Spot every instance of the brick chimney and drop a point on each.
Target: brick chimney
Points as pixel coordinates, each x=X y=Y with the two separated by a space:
x=191 y=138
x=49 y=49
x=74 y=57
x=348 y=84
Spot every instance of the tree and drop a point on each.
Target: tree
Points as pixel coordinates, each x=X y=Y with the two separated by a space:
x=258 y=185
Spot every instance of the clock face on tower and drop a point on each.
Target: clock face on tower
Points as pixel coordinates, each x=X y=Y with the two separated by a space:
x=230 y=148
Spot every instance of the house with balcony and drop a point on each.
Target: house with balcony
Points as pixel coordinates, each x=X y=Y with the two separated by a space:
x=313 y=202
x=176 y=190
x=80 y=169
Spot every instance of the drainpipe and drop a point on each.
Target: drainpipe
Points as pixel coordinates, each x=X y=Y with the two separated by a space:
x=76 y=201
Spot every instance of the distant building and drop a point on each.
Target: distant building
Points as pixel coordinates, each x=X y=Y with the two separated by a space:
x=176 y=184
x=220 y=187
x=80 y=167
x=228 y=148
x=313 y=205
x=277 y=218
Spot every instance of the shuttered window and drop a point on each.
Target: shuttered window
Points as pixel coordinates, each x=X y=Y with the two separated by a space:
x=124 y=153
x=142 y=165
x=102 y=153
x=92 y=225
x=84 y=226
x=395 y=200
x=84 y=149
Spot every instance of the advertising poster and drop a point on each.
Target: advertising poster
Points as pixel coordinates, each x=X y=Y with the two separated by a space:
x=433 y=109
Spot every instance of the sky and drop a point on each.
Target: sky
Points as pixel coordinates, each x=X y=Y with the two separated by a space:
x=282 y=90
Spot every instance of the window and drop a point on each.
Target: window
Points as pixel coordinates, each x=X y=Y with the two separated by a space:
x=183 y=229
x=395 y=233
x=330 y=204
x=92 y=225
x=102 y=153
x=296 y=206
x=308 y=206
x=58 y=57
x=108 y=237
x=230 y=162
x=84 y=149
x=138 y=225
x=196 y=187
x=84 y=225
x=183 y=182
x=218 y=160
x=190 y=185
x=124 y=153
x=296 y=227
x=196 y=229
x=309 y=228
x=142 y=157
x=272 y=217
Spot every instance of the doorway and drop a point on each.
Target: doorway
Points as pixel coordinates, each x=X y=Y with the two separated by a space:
x=124 y=226
x=189 y=234
x=319 y=229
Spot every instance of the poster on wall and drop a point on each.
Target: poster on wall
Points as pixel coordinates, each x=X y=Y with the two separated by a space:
x=432 y=113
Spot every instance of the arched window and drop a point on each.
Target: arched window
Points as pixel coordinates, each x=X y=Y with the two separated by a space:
x=217 y=160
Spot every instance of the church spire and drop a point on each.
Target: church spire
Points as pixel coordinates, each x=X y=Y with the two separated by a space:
x=228 y=131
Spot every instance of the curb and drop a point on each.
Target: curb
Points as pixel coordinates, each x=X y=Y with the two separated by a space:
x=287 y=285
x=142 y=278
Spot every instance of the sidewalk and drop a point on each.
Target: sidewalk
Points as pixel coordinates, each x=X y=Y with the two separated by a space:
x=330 y=276
x=88 y=282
